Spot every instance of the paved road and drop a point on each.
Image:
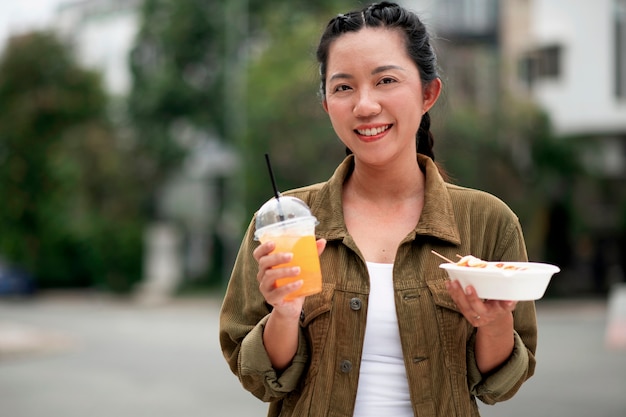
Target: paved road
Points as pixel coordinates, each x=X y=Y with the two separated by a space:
x=76 y=356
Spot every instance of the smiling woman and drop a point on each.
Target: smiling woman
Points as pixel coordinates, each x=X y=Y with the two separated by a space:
x=387 y=315
x=367 y=101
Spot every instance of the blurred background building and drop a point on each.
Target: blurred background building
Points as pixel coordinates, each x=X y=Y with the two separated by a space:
x=569 y=57
x=103 y=33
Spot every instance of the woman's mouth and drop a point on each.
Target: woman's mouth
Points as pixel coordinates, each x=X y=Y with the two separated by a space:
x=372 y=132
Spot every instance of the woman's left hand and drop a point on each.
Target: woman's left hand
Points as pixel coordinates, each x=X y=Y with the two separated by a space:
x=479 y=312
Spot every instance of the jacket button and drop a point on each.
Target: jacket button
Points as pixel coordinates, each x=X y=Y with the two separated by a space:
x=355 y=304
x=346 y=366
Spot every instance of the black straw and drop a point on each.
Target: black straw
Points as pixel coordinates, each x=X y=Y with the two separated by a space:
x=281 y=215
x=269 y=168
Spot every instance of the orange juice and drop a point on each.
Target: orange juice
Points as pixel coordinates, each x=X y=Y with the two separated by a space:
x=288 y=222
x=305 y=256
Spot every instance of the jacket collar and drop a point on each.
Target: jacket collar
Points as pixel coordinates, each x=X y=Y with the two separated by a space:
x=437 y=218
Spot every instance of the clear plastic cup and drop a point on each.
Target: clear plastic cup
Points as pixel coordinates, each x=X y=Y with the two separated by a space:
x=288 y=222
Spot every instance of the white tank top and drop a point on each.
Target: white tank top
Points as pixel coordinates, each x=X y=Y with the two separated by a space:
x=383 y=389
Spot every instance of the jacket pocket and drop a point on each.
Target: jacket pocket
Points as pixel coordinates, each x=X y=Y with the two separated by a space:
x=441 y=296
x=454 y=330
x=315 y=321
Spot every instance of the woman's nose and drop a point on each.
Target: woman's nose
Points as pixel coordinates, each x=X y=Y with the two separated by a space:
x=366 y=105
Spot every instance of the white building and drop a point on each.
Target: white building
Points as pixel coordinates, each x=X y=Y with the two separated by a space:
x=577 y=71
x=569 y=55
x=103 y=32
x=580 y=52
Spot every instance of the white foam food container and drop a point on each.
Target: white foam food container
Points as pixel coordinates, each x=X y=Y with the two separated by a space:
x=524 y=281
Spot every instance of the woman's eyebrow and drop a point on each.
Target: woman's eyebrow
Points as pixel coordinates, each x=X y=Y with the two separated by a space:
x=340 y=76
x=384 y=68
x=377 y=70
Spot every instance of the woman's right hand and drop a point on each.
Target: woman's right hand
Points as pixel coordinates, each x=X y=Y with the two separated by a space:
x=268 y=274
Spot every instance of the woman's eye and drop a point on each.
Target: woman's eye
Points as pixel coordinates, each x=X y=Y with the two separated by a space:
x=341 y=87
x=387 y=80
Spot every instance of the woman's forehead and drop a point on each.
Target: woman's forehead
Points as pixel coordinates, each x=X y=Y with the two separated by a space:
x=369 y=46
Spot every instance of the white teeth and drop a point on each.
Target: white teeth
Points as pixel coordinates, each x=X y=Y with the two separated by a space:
x=372 y=132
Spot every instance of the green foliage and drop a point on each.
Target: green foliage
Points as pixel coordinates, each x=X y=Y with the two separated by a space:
x=512 y=153
x=507 y=152
x=178 y=72
x=68 y=212
x=285 y=116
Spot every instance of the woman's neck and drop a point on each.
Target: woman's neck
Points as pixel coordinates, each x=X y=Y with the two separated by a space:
x=391 y=183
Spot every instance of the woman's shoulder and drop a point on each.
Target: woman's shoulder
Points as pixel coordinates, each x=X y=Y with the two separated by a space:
x=467 y=198
x=306 y=193
x=328 y=190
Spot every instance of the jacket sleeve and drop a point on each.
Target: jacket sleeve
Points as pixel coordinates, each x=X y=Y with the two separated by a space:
x=504 y=382
x=243 y=316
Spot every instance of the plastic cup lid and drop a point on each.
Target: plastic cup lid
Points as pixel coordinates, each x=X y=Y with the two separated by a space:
x=281 y=209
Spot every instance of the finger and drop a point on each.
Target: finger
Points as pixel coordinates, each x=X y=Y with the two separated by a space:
x=321 y=245
x=274 y=259
x=267 y=282
x=269 y=271
x=263 y=249
x=458 y=293
x=279 y=293
x=269 y=266
x=275 y=294
x=466 y=300
x=476 y=303
x=508 y=305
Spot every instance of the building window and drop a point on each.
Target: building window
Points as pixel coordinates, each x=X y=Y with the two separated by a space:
x=620 y=48
x=468 y=18
x=542 y=63
x=548 y=62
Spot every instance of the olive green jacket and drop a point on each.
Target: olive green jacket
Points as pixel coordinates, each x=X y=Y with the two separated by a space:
x=437 y=341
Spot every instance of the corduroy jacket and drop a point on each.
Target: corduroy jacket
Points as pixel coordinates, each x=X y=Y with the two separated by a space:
x=437 y=342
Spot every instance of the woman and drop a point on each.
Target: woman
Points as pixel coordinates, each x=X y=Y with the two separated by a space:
x=389 y=334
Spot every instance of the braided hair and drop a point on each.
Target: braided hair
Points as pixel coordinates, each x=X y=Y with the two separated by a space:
x=392 y=16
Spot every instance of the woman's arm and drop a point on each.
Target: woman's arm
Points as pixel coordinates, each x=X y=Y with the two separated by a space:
x=280 y=336
x=243 y=318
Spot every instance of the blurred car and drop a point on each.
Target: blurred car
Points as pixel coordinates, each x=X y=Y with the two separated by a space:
x=15 y=281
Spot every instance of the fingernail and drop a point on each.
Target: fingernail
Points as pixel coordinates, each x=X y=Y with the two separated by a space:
x=295 y=285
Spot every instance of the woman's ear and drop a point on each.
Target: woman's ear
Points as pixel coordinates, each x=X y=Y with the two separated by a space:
x=325 y=105
x=431 y=93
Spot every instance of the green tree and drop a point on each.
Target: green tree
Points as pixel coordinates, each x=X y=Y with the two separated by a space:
x=285 y=116
x=189 y=63
x=68 y=214
x=176 y=71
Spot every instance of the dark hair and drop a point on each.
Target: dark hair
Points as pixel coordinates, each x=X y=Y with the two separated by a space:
x=392 y=16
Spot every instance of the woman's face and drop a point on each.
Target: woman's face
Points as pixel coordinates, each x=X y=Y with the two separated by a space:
x=374 y=96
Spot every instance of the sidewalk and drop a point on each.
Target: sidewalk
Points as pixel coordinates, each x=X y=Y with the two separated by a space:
x=76 y=356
